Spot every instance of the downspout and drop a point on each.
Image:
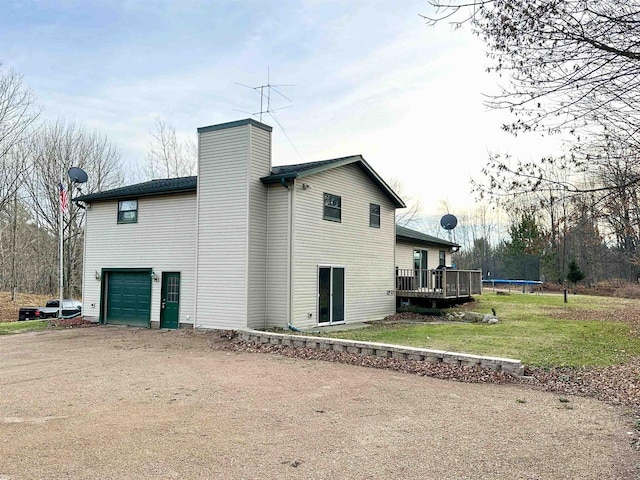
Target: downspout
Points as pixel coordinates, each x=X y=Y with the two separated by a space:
x=291 y=252
x=395 y=263
x=283 y=182
x=266 y=267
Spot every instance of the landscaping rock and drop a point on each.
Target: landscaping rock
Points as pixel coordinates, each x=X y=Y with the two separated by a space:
x=472 y=317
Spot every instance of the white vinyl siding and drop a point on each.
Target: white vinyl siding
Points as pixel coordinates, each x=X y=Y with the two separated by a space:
x=367 y=254
x=226 y=236
x=163 y=239
x=278 y=257
x=257 y=267
x=404 y=254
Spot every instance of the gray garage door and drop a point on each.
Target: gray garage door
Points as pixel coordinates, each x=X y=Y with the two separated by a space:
x=128 y=298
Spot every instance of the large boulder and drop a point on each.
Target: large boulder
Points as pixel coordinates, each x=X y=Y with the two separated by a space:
x=472 y=317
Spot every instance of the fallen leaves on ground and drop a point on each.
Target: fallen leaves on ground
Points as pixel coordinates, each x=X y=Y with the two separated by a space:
x=71 y=322
x=430 y=369
x=616 y=384
x=628 y=315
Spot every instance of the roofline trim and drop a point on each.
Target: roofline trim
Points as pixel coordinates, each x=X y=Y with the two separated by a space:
x=437 y=242
x=371 y=173
x=398 y=201
x=237 y=123
x=96 y=197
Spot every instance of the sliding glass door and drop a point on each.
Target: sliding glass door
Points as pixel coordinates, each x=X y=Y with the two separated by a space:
x=331 y=283
x=420 y=268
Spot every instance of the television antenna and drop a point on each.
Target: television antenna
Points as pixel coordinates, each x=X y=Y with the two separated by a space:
x=265 y=96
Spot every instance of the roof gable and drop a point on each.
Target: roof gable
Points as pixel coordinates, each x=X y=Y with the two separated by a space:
x=289 y=172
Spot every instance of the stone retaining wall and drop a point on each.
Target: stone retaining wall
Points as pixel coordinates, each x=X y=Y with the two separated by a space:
x=507 y=365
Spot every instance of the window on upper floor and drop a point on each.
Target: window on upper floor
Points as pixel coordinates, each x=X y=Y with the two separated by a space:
x=374 y=215
x=128 y=211
x=332 y=207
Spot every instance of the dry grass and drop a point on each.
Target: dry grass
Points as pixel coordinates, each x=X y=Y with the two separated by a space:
x=607 y=288
x=9 y=309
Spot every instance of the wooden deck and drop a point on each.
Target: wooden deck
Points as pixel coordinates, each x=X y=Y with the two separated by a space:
x=442 y=284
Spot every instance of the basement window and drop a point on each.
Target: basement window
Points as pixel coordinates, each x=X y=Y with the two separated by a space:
x=128 y=211
x=374 y=215
x=332 y=207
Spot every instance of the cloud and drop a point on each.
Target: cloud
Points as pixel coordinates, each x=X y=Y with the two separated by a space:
x=369 y=77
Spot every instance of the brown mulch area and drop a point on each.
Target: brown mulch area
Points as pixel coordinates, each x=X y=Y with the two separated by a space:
x=405 y=317
x=616 y=384
x=71 y=322
x=436 y=370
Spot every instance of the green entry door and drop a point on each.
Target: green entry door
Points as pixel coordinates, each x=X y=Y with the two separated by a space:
x=170 y=306
x=128 y=298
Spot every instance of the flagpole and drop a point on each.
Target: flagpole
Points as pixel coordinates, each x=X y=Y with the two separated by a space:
x=61 y=235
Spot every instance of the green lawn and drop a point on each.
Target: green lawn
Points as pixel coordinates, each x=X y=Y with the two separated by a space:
x=19 y=327
x=530 y=330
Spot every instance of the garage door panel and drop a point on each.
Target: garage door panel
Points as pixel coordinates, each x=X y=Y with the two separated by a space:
x=129 y=298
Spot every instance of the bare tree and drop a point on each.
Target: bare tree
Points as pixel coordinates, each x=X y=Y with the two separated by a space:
x=569 y=64
x=408 y=215
x=169 y=157
x=477 y=234
x=56 y=147
x=17 y=117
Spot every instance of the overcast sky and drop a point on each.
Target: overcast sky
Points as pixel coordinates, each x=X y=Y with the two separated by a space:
x=369 y=78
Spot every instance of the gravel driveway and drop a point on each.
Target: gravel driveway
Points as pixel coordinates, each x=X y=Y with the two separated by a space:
x=110 y=402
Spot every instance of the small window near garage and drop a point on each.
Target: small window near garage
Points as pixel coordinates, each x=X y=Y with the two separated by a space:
x=128 y=211
x=374 y=215
x=332 y=207
x=442 y=259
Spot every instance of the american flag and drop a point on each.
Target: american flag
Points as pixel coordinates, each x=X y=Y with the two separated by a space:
x=64 y=199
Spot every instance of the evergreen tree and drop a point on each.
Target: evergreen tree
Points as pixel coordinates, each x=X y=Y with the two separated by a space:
x=574 y=274
x=522 y=254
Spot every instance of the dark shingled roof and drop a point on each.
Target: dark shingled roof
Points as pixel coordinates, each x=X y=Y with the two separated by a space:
x=278 y=175
x=300 y=169
x=289 y=172
x=404 y=233
x=153 y=187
